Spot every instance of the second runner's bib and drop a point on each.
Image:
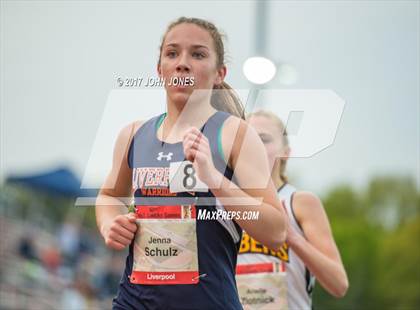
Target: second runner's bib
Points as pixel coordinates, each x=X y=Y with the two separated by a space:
x=262 y=286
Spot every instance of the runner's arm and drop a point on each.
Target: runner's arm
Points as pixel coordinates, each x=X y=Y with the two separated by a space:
x=116 y=194
x=318 y=251
x=256 y=191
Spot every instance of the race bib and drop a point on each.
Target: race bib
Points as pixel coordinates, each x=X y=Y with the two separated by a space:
x=165 y=246
x=182 y=178
x=262 y=286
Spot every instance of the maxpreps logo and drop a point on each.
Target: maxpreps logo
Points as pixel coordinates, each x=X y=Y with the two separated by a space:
x=250 y=245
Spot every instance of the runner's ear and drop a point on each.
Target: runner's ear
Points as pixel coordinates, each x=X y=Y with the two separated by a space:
x=159 y=70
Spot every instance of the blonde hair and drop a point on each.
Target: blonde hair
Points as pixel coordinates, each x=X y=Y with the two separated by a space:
x=224 y=98
x=282 y=130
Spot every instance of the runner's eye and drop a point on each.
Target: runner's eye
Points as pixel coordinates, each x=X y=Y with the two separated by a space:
x=171 y=54
x=198 y=55
x=265 y=140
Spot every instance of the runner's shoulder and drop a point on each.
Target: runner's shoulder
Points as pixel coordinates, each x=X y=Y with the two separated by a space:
x=235 y=128
x=127 y=132
x=306 y=198
x=305 y=204
x=232 y=122
x=234 y=132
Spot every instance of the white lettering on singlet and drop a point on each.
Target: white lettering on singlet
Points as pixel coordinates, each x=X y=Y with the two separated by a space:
x=150 y=176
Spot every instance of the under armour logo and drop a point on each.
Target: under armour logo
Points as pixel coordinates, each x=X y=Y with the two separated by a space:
x=168 y=157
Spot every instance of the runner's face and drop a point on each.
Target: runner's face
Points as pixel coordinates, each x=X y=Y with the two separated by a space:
x=188 y=51
x=270 y=136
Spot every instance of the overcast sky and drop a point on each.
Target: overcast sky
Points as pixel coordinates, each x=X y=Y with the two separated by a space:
x=61 y=104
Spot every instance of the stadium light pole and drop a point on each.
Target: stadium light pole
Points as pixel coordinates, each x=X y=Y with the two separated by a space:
x=261 y=70
x=260 y=41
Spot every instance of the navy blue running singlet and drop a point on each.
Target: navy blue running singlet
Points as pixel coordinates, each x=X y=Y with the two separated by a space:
x=217 y=240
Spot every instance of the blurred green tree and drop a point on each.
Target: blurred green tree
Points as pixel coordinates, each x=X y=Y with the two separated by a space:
x=377 y=232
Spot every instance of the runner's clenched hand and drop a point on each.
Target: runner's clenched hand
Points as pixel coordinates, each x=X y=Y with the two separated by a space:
x=120 y=231
x=197 y=150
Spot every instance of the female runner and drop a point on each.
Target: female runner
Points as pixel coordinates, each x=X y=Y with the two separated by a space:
x=184 y=262
x=309 y=252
